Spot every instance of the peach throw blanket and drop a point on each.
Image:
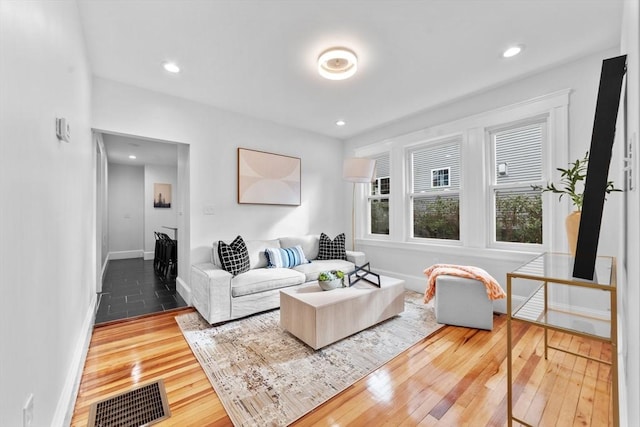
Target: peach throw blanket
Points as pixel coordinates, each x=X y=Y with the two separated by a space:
x=494 y=291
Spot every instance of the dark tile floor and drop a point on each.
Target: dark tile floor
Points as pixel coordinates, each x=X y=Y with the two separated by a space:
x=132 y=288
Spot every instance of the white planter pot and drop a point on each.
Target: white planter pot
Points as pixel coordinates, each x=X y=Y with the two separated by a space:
x=328 y=285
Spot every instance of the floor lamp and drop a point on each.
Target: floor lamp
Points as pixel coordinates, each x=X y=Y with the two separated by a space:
x=357 y=170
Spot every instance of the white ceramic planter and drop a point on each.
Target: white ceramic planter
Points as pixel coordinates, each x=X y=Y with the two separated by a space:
x=328 y=285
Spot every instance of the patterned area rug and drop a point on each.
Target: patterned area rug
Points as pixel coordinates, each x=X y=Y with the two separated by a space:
x=265 y=376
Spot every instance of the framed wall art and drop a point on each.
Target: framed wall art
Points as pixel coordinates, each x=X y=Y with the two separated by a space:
x=161 y=195
x=268 y=178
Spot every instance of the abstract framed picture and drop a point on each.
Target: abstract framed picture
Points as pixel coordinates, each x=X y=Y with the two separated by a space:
x=268 y=178
x=161 y=195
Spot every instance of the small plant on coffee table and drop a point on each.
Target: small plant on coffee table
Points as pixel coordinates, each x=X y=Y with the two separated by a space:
x=331 y=279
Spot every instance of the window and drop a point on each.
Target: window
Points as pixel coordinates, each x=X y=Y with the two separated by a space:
x=435 y=191
x=378 y=198
x=466 y=185
x=517 y=165
x=440 y=177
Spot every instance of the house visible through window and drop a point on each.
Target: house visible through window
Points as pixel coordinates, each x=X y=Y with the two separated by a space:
x=440 y=177
x=378 y=199
x=435 y=191
x=491 y=203
x=517 y=165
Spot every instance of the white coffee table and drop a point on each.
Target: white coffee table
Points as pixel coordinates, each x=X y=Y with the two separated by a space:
x=320 y=318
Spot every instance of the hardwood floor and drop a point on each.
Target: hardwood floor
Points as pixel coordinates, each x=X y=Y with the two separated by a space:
x=457 y=377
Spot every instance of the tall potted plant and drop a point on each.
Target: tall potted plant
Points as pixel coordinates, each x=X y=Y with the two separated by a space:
x=572 y=185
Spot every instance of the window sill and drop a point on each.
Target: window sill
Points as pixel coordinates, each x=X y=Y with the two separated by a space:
x=492 y=253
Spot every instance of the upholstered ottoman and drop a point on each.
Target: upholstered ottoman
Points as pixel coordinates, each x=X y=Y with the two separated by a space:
x=463 y=302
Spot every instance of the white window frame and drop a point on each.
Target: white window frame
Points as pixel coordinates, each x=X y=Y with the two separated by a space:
x=475 y=217
x=494 y=187
x=446 y=191
x=368 y=197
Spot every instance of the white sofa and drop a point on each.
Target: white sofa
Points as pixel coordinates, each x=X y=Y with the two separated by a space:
x=219 y=296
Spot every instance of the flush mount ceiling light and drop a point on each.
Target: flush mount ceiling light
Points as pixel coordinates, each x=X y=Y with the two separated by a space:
x=171 y=67
x=132 y=157
x=341 y=123
x=512 y=51
x=337 y=63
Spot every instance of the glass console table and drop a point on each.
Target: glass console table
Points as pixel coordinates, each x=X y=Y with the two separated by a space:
x=546 y=295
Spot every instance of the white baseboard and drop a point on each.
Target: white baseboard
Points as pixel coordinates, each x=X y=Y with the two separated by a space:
x=183 y=289
x=412 y=283
x=67 y=401
x=582 y=311
x=138 y=253
x=149 y=255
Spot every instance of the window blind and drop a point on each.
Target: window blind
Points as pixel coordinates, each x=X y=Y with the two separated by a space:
x=521 y=150
x=426 y=159
x=382 y=165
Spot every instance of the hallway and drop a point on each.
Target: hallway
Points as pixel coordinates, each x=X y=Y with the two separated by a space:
x=131 y=288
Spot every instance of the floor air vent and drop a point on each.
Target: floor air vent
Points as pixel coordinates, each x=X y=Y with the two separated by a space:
x=144 y=405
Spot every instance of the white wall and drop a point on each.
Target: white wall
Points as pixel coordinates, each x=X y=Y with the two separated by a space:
x=629 y=279
x=102 y=210
x=47 y=213
x=126 y=211
x=582 y=78
x=156 y=218
x=184 y=218
x=214 y=136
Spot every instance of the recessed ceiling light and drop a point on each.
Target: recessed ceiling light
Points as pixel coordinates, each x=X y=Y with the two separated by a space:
x=337 y=63
x=341 y=123
x=512 y=51
x=171 y=67
x=132 y=157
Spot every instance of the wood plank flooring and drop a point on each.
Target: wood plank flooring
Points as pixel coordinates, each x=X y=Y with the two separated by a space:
x=457 y=377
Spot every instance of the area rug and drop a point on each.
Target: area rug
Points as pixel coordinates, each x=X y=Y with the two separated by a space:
x=265 y=376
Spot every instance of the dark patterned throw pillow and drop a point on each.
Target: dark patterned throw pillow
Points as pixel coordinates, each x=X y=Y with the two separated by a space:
x=234 y=256
x=332 y=249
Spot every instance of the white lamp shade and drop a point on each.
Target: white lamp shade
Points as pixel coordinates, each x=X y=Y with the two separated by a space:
x=358 y=169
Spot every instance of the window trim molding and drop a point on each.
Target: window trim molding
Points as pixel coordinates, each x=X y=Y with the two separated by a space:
x=472 y=130
x=493 y=187
x=364 y=197
x=410 y=195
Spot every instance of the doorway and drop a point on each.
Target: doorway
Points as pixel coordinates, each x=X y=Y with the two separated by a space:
x=130 y=214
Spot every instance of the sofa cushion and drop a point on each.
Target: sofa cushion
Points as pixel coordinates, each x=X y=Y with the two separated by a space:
x=264 y=279
x=312 y=270
x=285 y=257
x=234 y=256
x=332 y=249
x=309 y=245
x=256 y=248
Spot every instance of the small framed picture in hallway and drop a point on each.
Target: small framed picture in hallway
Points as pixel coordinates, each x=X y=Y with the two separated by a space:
x=161 y=195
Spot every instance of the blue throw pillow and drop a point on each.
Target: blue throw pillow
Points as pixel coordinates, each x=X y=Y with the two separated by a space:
x=285 y=257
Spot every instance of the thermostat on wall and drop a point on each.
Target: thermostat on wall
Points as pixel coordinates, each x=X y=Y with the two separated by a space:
x=63 y=130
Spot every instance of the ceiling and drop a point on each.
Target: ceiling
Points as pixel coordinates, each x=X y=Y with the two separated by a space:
x=147 y=152
x=258 y=57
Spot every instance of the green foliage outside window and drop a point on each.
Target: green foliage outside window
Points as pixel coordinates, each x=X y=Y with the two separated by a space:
x=437 y=218
x=380 y=216
x=519 y=218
